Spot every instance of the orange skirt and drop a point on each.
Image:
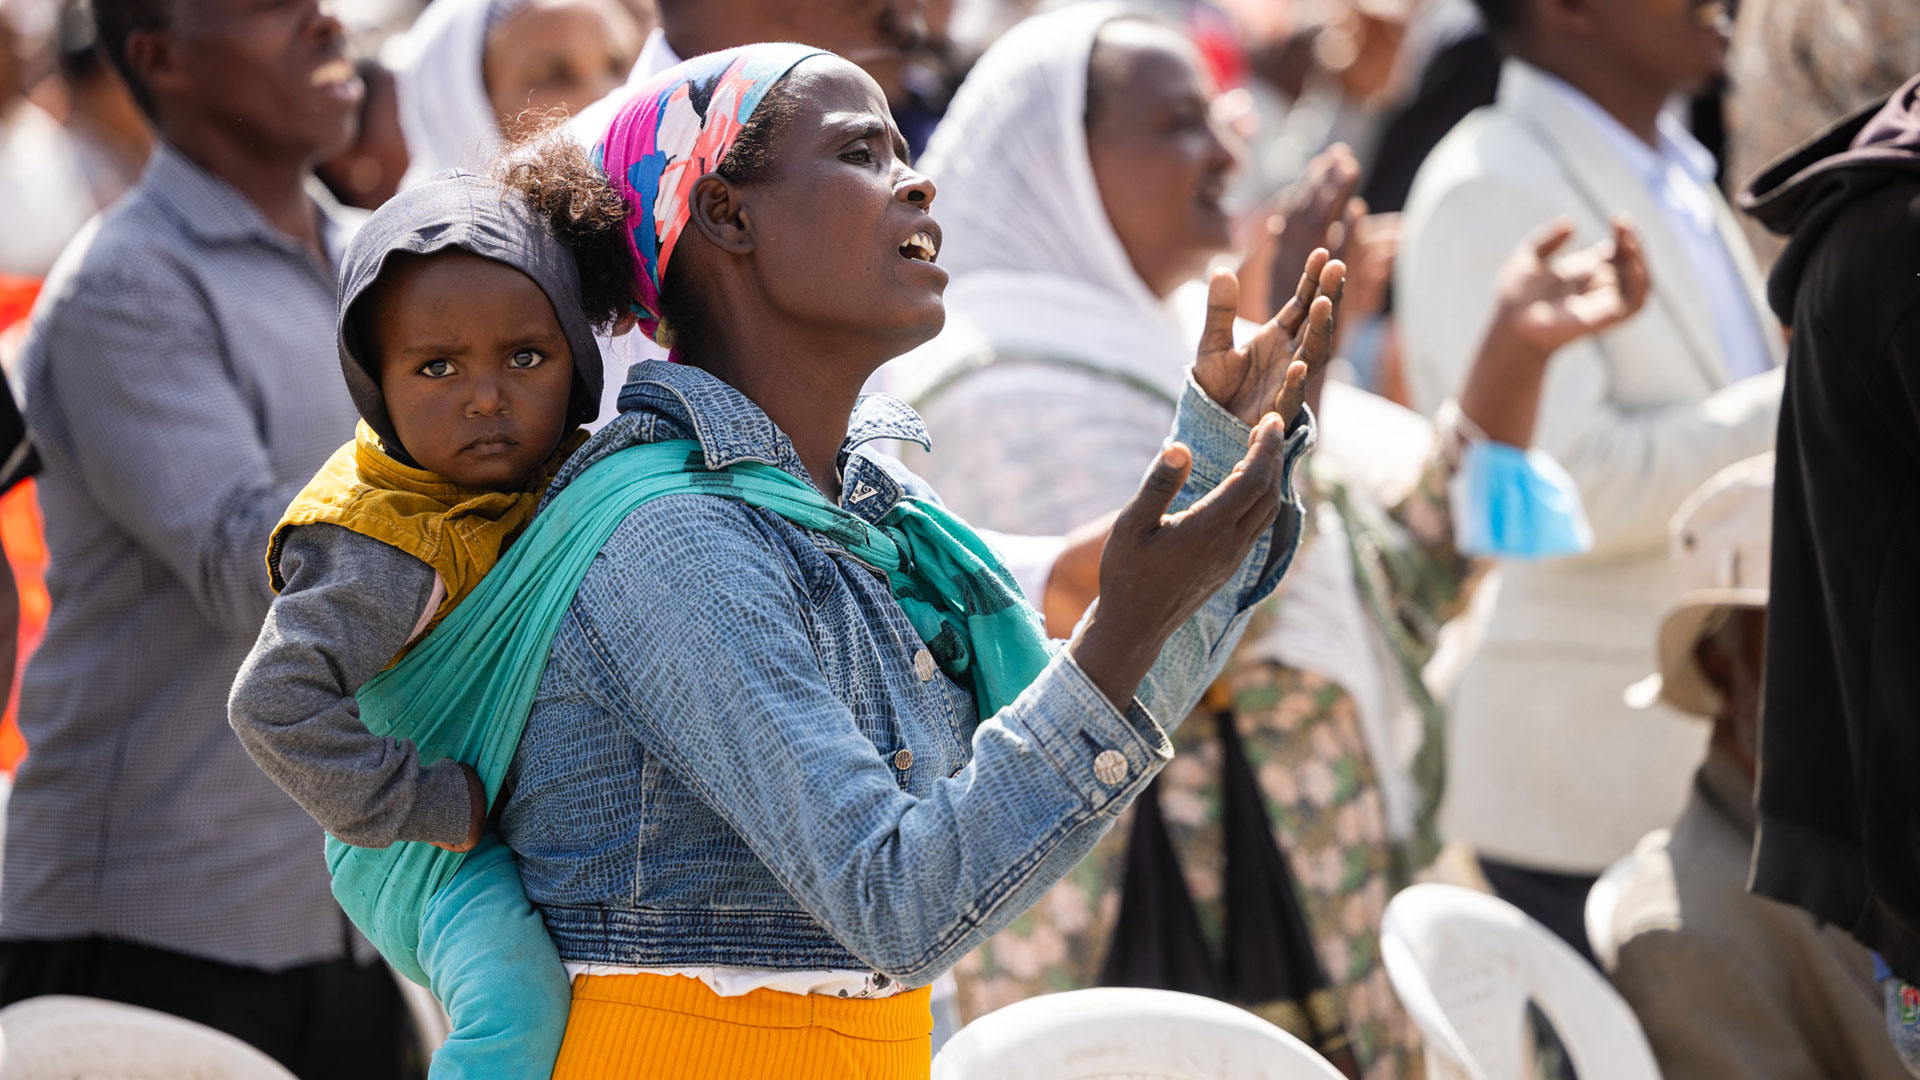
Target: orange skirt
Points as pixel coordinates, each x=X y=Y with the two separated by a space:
x=671 y=1027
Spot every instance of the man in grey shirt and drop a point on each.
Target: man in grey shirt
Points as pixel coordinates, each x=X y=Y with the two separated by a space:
x=183 y=385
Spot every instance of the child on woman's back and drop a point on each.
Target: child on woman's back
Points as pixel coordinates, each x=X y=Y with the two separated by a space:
x=468 y=347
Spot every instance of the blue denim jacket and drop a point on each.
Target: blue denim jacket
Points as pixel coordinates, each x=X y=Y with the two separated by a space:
x=735 y=759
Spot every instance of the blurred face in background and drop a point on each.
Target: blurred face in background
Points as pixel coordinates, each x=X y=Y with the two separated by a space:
x=559 y=54
x=1161 y=160
x=272 y=74
x=1677 y=46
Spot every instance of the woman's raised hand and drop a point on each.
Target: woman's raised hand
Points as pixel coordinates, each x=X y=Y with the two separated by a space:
x=1270 y=373
x=1159 y=568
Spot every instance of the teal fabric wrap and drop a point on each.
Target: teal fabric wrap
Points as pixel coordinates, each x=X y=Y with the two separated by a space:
x=466 y=691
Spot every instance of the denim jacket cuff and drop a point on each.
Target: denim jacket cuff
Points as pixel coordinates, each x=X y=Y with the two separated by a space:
x=1219 y=440
x=1105 y=755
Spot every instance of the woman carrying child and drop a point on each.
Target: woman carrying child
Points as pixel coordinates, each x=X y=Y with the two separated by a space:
x=800 y=746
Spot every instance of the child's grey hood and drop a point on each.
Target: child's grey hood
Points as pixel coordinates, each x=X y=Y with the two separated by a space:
x=473 y=213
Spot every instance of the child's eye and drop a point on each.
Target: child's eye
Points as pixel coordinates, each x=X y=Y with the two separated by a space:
x=859 y=155
x=437 y=369
x=526 y=358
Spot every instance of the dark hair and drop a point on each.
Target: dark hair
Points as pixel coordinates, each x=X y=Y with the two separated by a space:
x=560 y=183
x=116 y=21
x=1504 y=18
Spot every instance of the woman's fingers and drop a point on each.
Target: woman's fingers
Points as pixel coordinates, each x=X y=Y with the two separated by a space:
x=1317 y=347
x=1223 y=303
x=1295 y=311
x=1163 y=481
x=1293 y=392
x=1257 y=470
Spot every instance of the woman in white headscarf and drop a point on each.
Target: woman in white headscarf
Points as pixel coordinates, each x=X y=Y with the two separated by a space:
x=468 y=69
x=1080 y=173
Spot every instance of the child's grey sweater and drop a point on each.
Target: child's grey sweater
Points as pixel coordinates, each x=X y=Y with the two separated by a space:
x=351 y=603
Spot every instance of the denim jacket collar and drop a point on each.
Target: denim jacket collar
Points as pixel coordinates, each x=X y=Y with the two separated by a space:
x=664 y=401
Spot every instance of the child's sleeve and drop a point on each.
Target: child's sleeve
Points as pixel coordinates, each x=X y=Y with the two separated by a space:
x=350 y=604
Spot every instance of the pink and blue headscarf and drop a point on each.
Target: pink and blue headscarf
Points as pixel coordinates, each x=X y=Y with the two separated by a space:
x=676 y=128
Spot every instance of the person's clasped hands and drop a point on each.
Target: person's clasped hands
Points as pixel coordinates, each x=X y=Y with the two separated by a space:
x=1159 y=568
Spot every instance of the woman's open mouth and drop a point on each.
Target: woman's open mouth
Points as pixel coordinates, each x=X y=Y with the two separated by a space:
x=922 y=246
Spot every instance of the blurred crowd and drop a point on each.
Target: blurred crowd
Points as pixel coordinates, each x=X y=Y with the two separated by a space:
x=1698 y=686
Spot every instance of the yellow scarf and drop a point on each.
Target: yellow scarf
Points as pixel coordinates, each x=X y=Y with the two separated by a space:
x=459 y=531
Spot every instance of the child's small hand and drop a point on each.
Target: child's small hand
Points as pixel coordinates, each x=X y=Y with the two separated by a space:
x=1546 y=302
x=477 y=800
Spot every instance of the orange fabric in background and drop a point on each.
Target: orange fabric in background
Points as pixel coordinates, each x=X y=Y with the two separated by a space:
x=20 y=532
x=26 y=544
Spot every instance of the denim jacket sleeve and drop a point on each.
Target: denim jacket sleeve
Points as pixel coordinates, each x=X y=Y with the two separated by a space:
x=700 y=641
x=1196 y=652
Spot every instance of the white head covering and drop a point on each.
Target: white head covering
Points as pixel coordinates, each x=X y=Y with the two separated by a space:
x=445 y=115
x=1036 y=264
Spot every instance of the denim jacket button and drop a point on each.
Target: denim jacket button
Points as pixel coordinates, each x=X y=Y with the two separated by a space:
x=903 y=760
x=1110 y=767
x=924 y=666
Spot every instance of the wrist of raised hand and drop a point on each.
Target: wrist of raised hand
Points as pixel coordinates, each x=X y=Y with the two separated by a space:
x=1116 y=650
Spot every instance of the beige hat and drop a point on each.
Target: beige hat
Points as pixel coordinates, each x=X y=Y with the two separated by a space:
x=1721 y=539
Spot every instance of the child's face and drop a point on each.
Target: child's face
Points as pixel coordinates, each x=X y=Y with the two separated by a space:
x=473 y=364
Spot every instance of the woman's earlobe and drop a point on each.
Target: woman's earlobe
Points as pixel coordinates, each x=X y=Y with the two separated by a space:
x=718 y=215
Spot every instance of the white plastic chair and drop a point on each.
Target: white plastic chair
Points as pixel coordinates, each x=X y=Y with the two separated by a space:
x=1602 y=900
x=1125 y=1034
x=431 y=1025
x=77 y=1038
x=1466 y=964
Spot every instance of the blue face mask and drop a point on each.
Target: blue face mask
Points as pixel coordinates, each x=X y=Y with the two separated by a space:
x=1515 y=504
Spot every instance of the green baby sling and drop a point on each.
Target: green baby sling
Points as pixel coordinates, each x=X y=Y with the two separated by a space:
x=466 y=691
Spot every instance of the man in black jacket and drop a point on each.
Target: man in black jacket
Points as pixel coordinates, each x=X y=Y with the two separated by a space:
x=1839 y=797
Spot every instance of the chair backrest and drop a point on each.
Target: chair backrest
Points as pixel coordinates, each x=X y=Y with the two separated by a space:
x=1466 y=964
x=1604 y=897
x=1115 y=1033
x=431 y=1024
x=77 y=1038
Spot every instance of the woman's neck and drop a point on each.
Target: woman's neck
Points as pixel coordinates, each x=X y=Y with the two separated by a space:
x=809 y=398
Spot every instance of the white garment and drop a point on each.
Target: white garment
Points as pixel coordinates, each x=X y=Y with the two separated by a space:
x=1546 y=766
x=1017 y=194
x=44 y=194
x=1679 y=175
x=739 y=982
x=446 y=117
x=1036 y=266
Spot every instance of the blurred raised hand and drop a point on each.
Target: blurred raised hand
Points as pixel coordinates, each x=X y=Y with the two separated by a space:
x=1316 y=211
x=1545 y=301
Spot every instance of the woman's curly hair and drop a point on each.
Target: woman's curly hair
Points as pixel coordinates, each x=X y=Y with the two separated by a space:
x=560 y=183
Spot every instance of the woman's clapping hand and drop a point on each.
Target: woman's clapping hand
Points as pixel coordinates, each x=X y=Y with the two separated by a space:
x=1159 y=568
